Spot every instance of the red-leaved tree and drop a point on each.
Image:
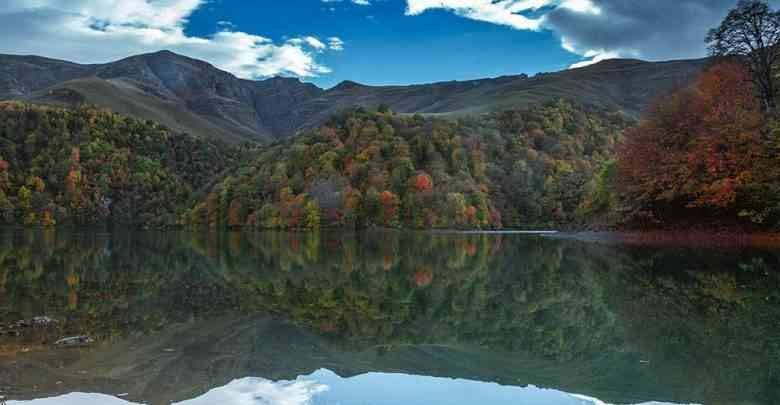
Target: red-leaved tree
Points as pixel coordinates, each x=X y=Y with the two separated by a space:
x=695 y=150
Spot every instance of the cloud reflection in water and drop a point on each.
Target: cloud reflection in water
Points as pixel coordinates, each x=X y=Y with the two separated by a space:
x=324 y=387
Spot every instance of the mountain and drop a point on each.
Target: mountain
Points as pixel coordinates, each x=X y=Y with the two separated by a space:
x=621 y=84
x=189 y=95
x=184 y=94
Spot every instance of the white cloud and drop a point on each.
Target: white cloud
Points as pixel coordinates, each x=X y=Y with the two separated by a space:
x=226 y=24
x=246 y=391
x=96 y=31
x=75 y=399
x=512 y=13
x=358 y=2
x=259 y=391
x=157 y=14
x=517 y=14
x=581 y=6
x=601 y=29
x=596 y=56
x=311 y=41
x=335 y=44
x=503 y=12
x=326 y=387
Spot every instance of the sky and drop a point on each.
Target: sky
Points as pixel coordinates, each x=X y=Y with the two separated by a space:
x=369 y=41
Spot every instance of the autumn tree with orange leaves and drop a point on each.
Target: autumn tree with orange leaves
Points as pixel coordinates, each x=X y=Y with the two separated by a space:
x=390 y=205
x=695 y=153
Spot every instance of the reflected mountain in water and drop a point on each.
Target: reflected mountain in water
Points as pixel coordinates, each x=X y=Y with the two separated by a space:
x=175 y=315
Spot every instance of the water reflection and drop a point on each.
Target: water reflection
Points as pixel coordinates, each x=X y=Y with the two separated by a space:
x=324 y=387
x=175 y=315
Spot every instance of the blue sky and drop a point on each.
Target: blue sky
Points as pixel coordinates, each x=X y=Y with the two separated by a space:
x=384 y=46
x=368 y=41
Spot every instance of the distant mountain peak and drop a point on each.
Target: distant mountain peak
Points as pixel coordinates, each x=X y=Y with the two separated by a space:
x=167 y=57
x=191 y=95
x=164 y=54
x=348 y=85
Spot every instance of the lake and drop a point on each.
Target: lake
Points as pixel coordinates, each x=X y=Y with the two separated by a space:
x=382 y=317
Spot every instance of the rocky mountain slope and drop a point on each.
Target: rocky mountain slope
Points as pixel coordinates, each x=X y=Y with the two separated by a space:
x=190 y=95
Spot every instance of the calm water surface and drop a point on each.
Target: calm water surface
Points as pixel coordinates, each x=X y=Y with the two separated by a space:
x=382 y=318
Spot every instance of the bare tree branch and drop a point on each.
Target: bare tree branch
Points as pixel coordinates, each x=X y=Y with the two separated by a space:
x=751 y=32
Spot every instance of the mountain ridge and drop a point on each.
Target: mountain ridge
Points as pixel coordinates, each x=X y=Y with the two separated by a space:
x=193 y=96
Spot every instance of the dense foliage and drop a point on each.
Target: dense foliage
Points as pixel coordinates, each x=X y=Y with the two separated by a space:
x=703 y=155
x=513 y=168
x=707 y=155
x=88 y=166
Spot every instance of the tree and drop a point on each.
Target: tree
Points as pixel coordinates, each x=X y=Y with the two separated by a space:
x=353 y=200
x=269 y=217
x=36 y=183
x=696 y=149
x=4 y=177
x=390 y=204
x=423 y=183
x=236 y=214
x=292 y=208
x=471 y=215
x=456 y=209
x=6 y=209
x=751 y=32
x=312 y=215
x=47 y=218
x=372 y=206
x=213 y=214
x=423 y=277
x=25 y=198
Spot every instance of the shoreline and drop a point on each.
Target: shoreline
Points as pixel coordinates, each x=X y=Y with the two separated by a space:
x=680 y=238
x=690 y=238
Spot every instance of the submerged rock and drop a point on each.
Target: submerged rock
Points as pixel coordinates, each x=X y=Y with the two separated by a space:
x=75 y=341
x=15 y=328
x=43 y=321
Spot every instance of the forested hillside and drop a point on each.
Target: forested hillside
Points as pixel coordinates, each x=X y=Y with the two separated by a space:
x=88 y=166
x=705 y=156
x=540 y=167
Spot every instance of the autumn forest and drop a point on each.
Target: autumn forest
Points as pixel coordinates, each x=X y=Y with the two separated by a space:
x=704 y=155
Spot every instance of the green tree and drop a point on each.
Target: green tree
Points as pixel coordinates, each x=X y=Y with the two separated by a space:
x=312 y=215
